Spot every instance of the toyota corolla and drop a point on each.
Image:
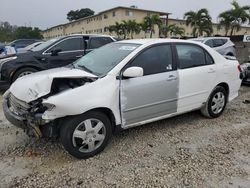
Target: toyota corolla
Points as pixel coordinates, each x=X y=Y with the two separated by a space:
x=119 y=86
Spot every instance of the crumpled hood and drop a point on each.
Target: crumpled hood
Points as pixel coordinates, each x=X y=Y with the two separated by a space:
x=34 y=86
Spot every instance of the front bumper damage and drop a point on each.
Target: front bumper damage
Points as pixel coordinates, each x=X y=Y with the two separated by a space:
x=19 y=114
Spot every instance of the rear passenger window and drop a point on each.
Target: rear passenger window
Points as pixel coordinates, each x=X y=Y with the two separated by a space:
x=155 y=60
x=209 y=59
x=209 y=43
x=97 y=42
x=190 y=56
x=218 y=42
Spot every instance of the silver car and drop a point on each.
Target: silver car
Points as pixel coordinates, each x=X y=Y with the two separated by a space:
x=223 y=45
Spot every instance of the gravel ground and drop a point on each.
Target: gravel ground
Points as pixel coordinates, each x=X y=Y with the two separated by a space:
x=188 y=150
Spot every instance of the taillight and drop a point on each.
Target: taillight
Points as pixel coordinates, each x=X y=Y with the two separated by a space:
x=239 y=68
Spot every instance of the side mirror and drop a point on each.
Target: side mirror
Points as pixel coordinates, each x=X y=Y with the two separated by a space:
x=133 y=72
x=55 y=52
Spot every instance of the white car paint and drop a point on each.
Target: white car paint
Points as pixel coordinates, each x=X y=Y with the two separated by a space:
x=105 y=92
x=39 y=84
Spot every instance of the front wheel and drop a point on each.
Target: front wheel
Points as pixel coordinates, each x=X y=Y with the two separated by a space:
x=23 y=72
x=86 y=135
x=216 y=103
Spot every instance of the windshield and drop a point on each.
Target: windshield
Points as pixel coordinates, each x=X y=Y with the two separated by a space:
x=45 y=44
x=102 y=60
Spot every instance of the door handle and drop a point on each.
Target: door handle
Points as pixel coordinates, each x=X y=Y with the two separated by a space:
x=211 y=71
x=171 y=78
x=78 y=56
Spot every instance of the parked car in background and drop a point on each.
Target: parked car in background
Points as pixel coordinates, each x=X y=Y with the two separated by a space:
x=29 y=47
x=57 y=52
x=22 y=43
x=119 y=86
x=245 y=68
x=223 y=45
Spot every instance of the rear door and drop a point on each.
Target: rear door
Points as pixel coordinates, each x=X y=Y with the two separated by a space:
x=70 y=49
x=197 y=73
x=154 y=94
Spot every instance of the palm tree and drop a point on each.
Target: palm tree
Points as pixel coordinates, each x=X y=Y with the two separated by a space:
x=133 y=28
x=235 y=17
x=118 y=28
x=225 y=20
x=201 y=22
x=151 y=21
x=144 y=27
x=176 y=30
x=173 y=29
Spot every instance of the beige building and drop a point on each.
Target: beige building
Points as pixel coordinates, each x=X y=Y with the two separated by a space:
x=97 y=24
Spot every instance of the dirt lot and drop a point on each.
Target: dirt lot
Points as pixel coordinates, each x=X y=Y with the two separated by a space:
x=187 y=150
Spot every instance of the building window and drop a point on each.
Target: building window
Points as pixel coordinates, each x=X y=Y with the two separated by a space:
x=128 y=13
x=113 y=14
x=105 y=16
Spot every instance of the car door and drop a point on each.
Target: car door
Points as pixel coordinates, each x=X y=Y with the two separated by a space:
x=155 y=93
x=197 y=73
x=64 y=52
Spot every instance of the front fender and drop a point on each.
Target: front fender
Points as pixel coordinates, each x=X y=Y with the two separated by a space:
x=103 y=93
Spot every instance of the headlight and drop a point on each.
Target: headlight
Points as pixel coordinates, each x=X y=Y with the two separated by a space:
x=49 y=106
x=5 y=60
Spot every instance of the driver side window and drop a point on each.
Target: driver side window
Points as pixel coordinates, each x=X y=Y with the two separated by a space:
x=71 y=44
x=156 y=59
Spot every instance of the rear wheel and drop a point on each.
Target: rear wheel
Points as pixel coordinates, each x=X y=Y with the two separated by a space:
x=86 y=135
x=23 y=72
x=216 y=103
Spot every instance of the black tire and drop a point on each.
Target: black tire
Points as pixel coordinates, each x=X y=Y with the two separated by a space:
x=72 y=123
x=27 y=70
x=207 y=110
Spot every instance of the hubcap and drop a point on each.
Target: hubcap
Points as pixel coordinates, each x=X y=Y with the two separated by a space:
x=24 y=73
x=89 y=135
x=218 y=102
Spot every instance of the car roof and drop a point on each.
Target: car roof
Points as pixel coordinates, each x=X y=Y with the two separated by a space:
x=204 y=38
x=86 y=35
x=154 y=41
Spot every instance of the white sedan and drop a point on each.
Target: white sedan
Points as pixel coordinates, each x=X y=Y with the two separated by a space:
x=121 y=85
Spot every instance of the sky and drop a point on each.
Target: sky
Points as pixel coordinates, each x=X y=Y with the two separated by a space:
x=48 y=13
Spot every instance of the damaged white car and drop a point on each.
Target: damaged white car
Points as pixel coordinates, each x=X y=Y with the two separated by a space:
x=121 y=85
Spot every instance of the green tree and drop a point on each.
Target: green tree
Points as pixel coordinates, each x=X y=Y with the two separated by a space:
x=200 y=21
x=9 y=32
x=6 y=32
x=132 y=28
x=176 y=30
x=125 y=28
x=77 y=14
x=225 y=21
x=119 y=29
x=173 y=29
x=28 y=32
x=235 y=17
x=144 y=27
x=151 y=21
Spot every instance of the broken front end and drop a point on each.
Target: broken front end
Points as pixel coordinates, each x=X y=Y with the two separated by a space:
x=29 y=115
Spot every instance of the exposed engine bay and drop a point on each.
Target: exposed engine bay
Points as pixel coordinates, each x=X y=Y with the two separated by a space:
x=30 y=114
